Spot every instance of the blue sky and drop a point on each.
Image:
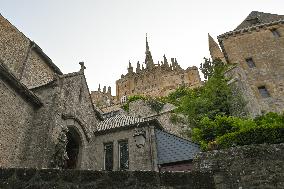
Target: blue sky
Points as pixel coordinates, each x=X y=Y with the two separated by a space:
x=106 y=34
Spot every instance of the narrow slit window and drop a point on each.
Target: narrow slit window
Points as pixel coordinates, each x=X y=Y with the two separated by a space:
x=275 y=33
x=250 y=63
x=123 y=155
x=263 y=92
x=108 y=157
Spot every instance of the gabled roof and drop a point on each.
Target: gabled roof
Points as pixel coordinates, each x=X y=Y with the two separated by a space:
x=171 y=148
x=46 y=58
x=6 y=75
x=256 y=18
x=118 y=121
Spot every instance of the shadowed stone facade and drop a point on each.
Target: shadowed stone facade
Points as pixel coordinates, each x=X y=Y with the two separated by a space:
x=256 y=47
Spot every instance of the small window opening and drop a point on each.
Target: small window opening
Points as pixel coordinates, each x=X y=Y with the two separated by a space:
x=123 y=155
x=108 y=156
x=263 y=91
x=250 y=63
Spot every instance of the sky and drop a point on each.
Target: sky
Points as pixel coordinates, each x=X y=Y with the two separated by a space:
x=107 y=34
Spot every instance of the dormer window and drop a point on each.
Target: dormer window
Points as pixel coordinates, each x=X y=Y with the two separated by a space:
x=275 y=33
x=250 y=63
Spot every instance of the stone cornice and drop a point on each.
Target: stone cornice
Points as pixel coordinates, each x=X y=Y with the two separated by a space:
x=249 y=29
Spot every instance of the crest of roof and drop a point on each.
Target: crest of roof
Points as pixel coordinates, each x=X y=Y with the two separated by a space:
x=256 y=18
x=122 y=122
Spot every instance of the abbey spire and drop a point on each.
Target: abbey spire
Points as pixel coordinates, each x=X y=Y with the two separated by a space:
x=214 y=49
x=148 y=59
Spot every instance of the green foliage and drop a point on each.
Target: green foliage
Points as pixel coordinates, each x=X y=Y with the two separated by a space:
x=206 y=68
x=228 y=131
x=215 y=97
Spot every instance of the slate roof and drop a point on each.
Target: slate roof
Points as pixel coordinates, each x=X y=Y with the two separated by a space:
x=256 y=18
x=118 y=121
x=171 y=148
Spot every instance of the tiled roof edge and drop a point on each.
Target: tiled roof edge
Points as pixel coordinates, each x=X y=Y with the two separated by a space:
x=244 y=30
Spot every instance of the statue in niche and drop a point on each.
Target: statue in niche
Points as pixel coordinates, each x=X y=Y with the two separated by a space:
x=60 y=156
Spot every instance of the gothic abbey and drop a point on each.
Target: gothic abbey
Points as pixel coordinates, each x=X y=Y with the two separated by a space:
x=150 y=79
x=49 y=119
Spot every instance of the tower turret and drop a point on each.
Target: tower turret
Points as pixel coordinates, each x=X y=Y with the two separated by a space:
x=214 y=49
x=138 y=69
x=130 y=68
x=148 y=59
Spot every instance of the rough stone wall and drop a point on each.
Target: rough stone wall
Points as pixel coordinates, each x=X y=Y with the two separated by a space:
x=156 y=81
x=13 y=46
x=83 y=179
x=267 y=52
x=144 y=158
x=253 y=166
x=36 y=71
x=19 y=55
x=67 y=103
x=16 y=118
x=103 y=100
x=139 y=108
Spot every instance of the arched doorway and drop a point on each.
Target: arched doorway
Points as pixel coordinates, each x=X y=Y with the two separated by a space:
x=73 y=149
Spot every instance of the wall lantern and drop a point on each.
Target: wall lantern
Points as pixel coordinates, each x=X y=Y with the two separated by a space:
x=139 y=137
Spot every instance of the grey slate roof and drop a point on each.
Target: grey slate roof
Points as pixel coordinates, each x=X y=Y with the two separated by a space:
x=118 y=121
x=256 y=18
x=172 y=148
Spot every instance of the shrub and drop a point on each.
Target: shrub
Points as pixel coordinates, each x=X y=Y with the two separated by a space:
x=254 y=135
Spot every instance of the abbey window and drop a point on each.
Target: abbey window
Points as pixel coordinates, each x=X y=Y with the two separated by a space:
x=263 y=92
x=108 y=156
x=250 y=63
x=123 y=155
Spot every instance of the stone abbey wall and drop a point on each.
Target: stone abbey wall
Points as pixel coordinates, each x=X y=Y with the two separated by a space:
x=23 y=57
x=255 y=166
x=267 y=53
x=156 y=81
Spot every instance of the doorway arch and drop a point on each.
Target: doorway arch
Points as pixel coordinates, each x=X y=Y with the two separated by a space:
x=73 y=149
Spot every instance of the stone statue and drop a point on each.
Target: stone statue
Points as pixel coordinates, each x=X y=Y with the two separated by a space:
x=60 y=156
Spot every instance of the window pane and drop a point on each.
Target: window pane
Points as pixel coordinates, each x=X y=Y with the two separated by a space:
x=108 y=151
x=123 y=155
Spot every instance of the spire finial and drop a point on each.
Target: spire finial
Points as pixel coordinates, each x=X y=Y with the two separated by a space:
x=147 y=45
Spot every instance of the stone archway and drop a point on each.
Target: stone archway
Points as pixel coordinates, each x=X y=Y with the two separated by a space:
x=73 y=149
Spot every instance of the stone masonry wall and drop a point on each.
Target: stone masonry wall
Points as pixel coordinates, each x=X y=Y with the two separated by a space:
x=143 y=158
x=67 y=103
x=19 y=55
x=139 y=108
x=253 y=166
x=267 y=53
x=15 y=120
x=86 y=179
